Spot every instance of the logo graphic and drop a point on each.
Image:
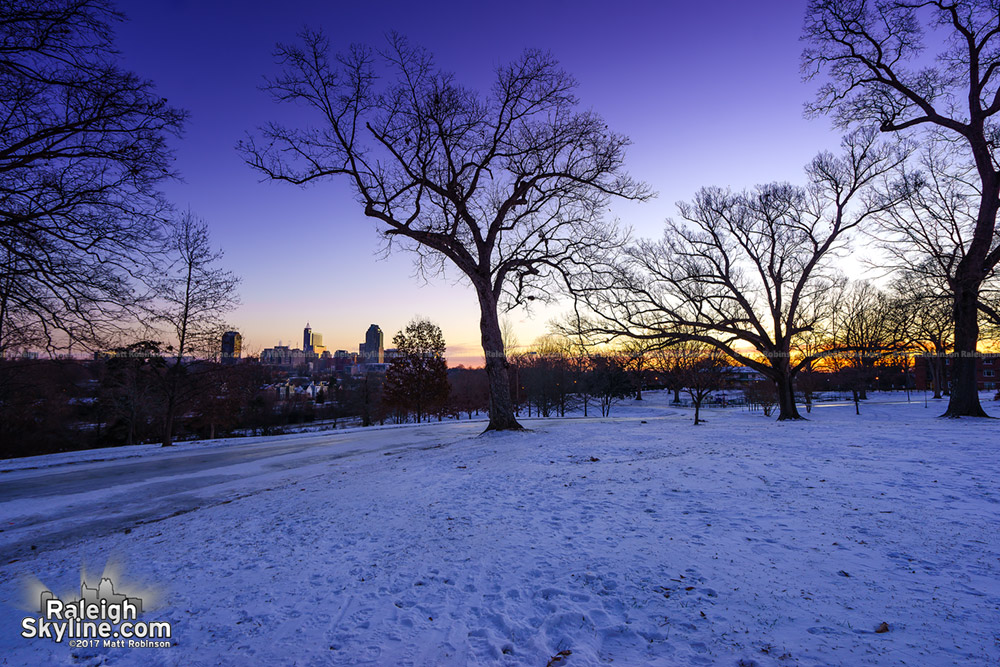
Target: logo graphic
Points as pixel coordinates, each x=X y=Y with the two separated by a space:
x=99 y=617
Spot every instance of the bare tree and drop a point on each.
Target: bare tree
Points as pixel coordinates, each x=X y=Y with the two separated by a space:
x=609 y=380
x=989 y=306
x=638 y=356
x=667 y=366
x=746 y=272
x=469 y=390
x=508 y=187
x=193 y=296
x=82 y=151
x=925 y=303
x=868 y=327
x=702 y=369
x=870 y=51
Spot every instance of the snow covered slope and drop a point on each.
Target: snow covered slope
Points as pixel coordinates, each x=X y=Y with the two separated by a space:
x=638 y=540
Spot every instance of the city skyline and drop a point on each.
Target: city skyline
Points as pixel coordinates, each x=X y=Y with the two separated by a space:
x=299 y=251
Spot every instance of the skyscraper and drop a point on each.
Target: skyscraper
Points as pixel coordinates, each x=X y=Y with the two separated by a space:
x=317 y=343
x=372 y=349
x=232 y=342
x=307 y=339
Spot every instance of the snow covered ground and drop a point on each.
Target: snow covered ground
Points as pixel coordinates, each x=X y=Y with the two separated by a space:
x=636 y=540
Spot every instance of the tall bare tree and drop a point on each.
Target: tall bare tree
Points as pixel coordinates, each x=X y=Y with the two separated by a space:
x=509 y=186
x=874 y=53
x=193 y=297
x=82 y=151
x=747 y=273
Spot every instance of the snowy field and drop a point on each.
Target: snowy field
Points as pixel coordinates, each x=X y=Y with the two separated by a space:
x=636 y=540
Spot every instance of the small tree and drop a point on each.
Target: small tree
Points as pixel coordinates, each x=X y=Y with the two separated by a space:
x=417 y=380
x=609 y=380
x=761 y=395
x=509 y=187
x=638 y=355
x=925 y=306
x=667 y=365
x=703 y=369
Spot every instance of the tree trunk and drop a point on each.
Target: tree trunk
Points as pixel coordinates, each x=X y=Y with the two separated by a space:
x=173 y=382
x=787 y=409
x=497 y=367
x=168 y=425
x=969 y=275
x=697 y=412
x=964 y=401
x=937 y=372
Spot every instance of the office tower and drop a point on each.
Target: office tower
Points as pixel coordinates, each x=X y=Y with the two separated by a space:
x=317 y=344
x=307 y=339
x=373 y=350
x=232 y=341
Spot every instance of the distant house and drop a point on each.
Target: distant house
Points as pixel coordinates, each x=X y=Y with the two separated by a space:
x=744 y=375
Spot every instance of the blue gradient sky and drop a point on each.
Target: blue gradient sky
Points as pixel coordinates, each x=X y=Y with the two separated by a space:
x=710 y=94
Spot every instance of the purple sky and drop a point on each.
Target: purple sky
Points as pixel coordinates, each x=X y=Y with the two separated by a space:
x=710 y=94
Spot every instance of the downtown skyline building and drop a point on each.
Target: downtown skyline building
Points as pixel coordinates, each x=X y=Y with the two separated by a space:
x=372 y=351
x=232 y=344
x=312 y=342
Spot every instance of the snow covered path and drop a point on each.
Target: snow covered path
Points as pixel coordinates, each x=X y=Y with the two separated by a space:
x=48 y=505
x=742 y=541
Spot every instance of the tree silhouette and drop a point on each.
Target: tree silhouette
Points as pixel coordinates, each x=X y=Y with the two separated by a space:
x=417 y=379
x=82 y=151
x=870 y=52
x=509 y=187
x=192 y=297
x=747 y=273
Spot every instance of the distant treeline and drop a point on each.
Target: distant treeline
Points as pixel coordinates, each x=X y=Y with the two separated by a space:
x=55 y=405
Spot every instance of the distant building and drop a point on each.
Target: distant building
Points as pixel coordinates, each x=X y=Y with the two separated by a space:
x=744 y=375
x=307 y=339
x=317 y=344
x=232 y=344
x=312 y=342
x=371 y=351
x=281 y=355
x=344 y=360
x=987 y=370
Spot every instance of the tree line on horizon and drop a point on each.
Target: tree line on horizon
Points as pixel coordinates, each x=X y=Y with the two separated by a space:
x=119 y=399
x=511 y=187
